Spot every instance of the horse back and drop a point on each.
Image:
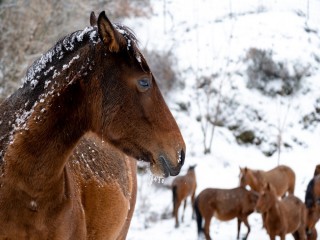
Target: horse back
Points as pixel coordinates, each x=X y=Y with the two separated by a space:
x=294 y=213
x=282 y=178
x=224 y=204
x=184 y=185
x=106 y=181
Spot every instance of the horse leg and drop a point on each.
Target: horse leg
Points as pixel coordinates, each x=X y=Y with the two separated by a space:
x=239 y=227
x=296 y=235
x=184 y=209
x=176 y=212
x=192 y=202
x=206 y=229
x=273 y=236
x=301 y=234
x=245 y=221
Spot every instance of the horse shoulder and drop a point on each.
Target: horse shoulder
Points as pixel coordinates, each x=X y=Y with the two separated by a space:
x=107 y=194
x=293 y=212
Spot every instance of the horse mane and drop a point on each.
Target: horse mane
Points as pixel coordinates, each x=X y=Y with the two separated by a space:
x=48 y=65
x=309 y=198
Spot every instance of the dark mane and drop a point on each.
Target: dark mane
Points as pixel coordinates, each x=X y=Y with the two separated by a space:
x=53 y=62
x=309 y=198
x=43 y=67
x=132 y=45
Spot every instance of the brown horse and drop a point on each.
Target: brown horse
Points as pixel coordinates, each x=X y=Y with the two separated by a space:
x=281 y=177
x=312 y=197
x=182 y=188
x=224 y=204
x=92 y=81
x=313 y=215
x=282 y=216
x=312 y=202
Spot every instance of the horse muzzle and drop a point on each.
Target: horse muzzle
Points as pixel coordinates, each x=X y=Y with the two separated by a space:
x=168 y=168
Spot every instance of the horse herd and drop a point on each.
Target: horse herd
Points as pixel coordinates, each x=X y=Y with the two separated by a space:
x=271 y=194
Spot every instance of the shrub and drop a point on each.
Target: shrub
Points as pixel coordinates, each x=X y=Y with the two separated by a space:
x=271 y=77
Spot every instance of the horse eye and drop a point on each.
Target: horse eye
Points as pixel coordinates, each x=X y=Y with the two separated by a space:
x=144 y=84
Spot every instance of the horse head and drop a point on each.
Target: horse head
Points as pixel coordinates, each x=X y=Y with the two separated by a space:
x=266 y=199
x=129 y=111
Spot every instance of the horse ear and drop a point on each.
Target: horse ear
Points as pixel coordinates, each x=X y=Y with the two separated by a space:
x=93 y=19
x=109 y=35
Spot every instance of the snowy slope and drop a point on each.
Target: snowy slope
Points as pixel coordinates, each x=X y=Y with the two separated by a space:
x=213 y=38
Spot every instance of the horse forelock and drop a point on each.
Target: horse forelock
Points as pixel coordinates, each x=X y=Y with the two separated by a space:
x=132 y=45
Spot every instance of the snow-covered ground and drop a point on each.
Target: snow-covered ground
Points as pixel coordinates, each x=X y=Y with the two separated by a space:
x=213 y=37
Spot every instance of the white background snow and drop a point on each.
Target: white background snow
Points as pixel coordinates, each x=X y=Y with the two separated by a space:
x=206 y=40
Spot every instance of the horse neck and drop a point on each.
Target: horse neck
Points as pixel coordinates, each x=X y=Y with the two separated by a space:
x=274 y=211
x=254 y=181
x=44 y=135
x=191 y=175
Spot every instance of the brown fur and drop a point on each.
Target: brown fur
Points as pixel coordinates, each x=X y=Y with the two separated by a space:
x=313 y=215
x=312 y=234
x=182 y=188
x=89 y=82
x=317 y=170
x=281 y=177
x=313 y=207
x=224 y=204
x=282 y=216
x=316 y=189
x=106 y=191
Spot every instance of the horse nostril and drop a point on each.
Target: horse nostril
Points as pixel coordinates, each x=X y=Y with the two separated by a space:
x=182 y=156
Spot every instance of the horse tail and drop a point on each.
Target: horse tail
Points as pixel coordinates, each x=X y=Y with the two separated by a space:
x=292 y=182
x=198 y=215
x=174 y=198
x=309 y=198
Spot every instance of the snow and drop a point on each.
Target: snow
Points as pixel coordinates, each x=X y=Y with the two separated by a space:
x=66 y=66
x=212 y=38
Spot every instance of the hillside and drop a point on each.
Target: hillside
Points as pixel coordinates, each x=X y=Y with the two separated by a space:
x=252 y=69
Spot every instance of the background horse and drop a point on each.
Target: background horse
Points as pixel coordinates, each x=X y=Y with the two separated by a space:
x=313 y=215
x=92 y=81
x=282 y=216
x=224 y=204
x=316 y=170
x=182 y=187
x=312 y=200
x=281 y=177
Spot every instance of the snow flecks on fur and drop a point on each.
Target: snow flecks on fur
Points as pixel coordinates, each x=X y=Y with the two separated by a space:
x=45 y=70
x=85 y=31
x=131 y=40
x=38 y=67
x=66 y=66
x=58 y=52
